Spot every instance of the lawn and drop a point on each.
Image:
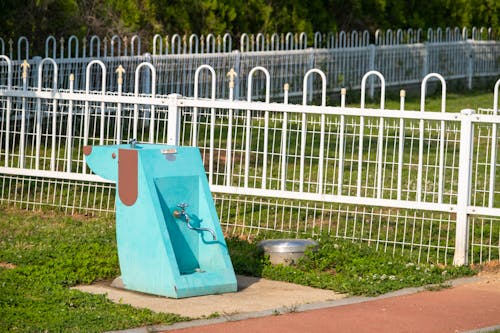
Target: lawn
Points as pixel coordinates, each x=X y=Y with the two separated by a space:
x=44 y=253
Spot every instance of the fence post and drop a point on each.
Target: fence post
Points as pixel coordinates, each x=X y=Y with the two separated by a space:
x=236 y=66
x=425 y=59
x=470 y=63
x=464 y=188
x=174 y=120
x=311 y=62
x=372 y=49
x=34 y=68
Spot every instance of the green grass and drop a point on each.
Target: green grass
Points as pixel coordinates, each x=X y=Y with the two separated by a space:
x=49 y=252
x=455 y=101
x=52 y=252
x=343 y=266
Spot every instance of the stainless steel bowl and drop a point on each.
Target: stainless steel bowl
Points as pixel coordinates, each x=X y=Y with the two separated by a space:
x=286 y=251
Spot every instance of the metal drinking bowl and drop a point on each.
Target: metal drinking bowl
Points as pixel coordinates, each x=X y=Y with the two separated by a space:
x=286 y=251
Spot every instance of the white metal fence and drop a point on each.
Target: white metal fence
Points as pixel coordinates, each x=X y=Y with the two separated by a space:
x=117 y=46
x=406 y=181
x=401 y=65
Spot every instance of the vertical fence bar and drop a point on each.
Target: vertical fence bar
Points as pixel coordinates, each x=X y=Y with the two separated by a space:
x=25 y=66
x=212 y=119
x=174 y=120
x=321 y=156
x=470 y=63
x=249 y=127
x=340 y=177
x=371 y=67
x=9 y=106
x=304 y=131
x=54 y=126
x=421 y=138
x=493 y=160
x=86 y=120
x=120 y=71
x=380 y=141
x=38 y=124
x=284 y=139
x=69 y=126
x=229 y=144
x=464 y=187
x=153 y=93
x=194 y=135
x=401 y=146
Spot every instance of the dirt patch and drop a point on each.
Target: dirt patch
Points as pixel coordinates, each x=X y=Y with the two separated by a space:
x=491 y=268
x=7 y=265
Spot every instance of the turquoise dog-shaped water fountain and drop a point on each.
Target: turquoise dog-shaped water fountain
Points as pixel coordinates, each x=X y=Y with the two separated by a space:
x=169 y=238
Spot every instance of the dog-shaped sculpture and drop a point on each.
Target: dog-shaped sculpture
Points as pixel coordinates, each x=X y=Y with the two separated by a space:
x=169 y=238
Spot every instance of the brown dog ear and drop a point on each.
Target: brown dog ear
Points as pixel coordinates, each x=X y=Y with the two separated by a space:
x=128 y=176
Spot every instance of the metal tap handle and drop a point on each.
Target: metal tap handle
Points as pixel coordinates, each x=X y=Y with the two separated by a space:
x=183 y=205
x=132 y=142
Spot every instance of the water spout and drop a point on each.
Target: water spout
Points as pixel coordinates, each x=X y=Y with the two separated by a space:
x=183 y=215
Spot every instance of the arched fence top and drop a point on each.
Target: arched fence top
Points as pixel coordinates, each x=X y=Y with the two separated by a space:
x=193 y=43
x=157 y=44
x=73 y=40
x=318 y=39
x=302 y=40
x=103 y=77
x=323 y=85
x=382 y=88
x=9 y=70
x=275 y=42
x=227 y=43
x=289 y=41
x=116 y=40
x=260 y=42
x=135 y=51
x=40 y=73
x=244 y=42
x=137 y=77
x=212 y=43
x=51 y=42
x=176 y=42
x=495 y=97
x=95 y=40
x=423 y=90
x=250 y=80
x=20 y=42
x=196 y=80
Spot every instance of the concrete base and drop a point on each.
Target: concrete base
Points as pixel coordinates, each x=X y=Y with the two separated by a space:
x=253 y=295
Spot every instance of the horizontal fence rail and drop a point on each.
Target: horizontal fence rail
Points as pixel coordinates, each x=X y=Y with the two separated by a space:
x=405 y=180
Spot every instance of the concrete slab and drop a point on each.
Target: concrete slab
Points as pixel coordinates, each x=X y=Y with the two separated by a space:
x=254 y=295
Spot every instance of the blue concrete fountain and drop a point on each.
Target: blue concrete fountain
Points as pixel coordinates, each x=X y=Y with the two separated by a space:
x=169 y=238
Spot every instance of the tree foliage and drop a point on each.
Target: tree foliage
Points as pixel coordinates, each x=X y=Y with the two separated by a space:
x=40 y=18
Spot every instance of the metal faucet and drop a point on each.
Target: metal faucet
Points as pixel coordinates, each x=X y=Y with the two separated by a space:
x=132 y=142
x=182 y=214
